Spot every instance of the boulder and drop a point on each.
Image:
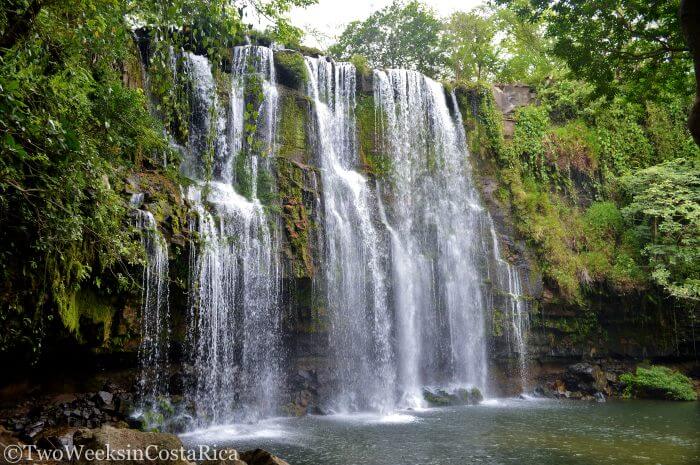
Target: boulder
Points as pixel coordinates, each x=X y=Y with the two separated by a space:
x=586 y=378
x=261 y=457
x=104 y=398
x=225 y=457
x=460 y=396
x=129 y=439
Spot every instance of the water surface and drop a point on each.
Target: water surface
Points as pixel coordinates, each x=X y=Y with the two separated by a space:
x=497 y=432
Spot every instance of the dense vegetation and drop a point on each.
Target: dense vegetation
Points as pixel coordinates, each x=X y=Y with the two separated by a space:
x=658 y=382
x=76 y=125
x=601 y=175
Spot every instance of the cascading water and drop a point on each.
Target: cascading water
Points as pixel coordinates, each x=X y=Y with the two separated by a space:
x=435 y=221
x=235 y=331
x=356 y=284
x=155 y=309
x=404 y=261
x=508 y=278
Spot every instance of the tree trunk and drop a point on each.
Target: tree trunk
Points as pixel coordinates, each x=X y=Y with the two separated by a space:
x=690 y=20
x=20 y=24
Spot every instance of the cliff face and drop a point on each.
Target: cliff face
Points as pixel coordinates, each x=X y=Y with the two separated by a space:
x=605 y=326
x=602 y=325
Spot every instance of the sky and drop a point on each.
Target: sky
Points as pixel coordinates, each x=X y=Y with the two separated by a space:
x=328 y=18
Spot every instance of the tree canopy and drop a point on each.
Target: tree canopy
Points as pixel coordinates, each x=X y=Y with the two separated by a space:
x=622 y=44
x=401 y=35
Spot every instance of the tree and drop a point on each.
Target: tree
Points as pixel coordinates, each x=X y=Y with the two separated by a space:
x=401 y=35
x=527 y=56
x=71 y=132
x=471 y=41
x=631 y=45
x=664 y=207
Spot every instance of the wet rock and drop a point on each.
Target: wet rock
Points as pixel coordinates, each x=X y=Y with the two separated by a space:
x=460 y=396
x=586 y=378
x=32 y=431
x=599 y=397
x=104 y=398
x=225 y=457
x=261 y=457
x=55 y=438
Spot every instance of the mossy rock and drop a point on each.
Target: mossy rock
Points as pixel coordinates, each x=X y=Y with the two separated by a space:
x=291 y=69
x=374 y=160
x=461 y=396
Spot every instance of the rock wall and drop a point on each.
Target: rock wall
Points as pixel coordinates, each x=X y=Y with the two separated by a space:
x=607 y=330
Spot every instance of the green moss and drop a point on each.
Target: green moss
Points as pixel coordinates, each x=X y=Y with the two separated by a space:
x=361 y=65
x=658 y=382
x=292 y=127
x=291 y=172
x=498 y=322
x=482 y=120
x=88 y=305
x=374 y=160
x=291 y=69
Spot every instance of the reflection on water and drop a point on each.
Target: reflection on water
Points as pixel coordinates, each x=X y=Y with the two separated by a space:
x=496 y=432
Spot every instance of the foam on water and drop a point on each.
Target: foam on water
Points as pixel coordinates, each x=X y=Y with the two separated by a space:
x=268 y=429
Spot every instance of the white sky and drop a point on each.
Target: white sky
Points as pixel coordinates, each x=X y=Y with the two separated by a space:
x=329 y=17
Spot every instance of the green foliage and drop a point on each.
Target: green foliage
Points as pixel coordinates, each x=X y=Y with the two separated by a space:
x=371 y=150
x=71 y=131
x=401 y=35
x=666 y=128
x=293 y=151
x=632 y=46
x=664 y=208
x=291 y=69
x=470 y=38
x=483 y=121
x=526 y=54
x=361 y=64
x=658 y=382
x=566 y=99
x=622 y=142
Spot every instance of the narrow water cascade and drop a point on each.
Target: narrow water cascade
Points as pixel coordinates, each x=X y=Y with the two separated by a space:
x=435 y=220
x=235 y=334
x=509 y=280
x=155 y=310
x=356 y=283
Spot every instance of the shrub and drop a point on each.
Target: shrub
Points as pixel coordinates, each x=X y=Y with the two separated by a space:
x=660 y=383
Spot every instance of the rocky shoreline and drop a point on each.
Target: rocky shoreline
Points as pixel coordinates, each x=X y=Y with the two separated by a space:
x=115 y=444
x=105 y=416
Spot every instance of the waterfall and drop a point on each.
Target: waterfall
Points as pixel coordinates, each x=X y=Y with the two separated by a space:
x=155 y=309
x=508 y=279
x=404 y=257
x=357 y=293
x=235 y=316
x=435 y=221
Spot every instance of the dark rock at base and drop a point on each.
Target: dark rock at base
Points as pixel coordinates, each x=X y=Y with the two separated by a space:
x=55 y=438
x=261 y=457
x=225 y=457
x=32 y=431
x=104 y=398
x=460 y=396
x=586 y=378
x=544 y=391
